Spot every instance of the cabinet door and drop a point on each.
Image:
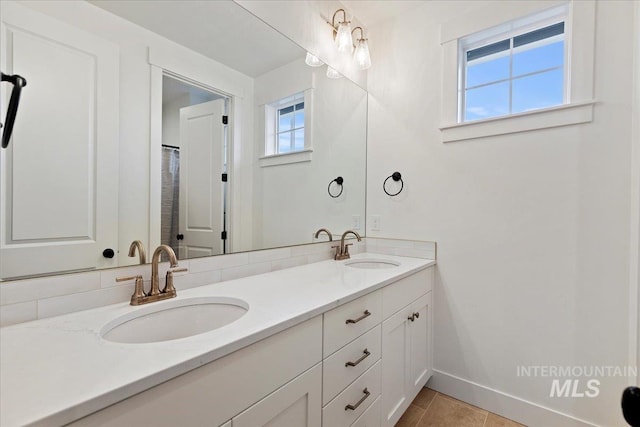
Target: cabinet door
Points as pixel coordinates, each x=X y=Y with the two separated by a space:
x=395 y=366
x=420 y=342
x=296 y=404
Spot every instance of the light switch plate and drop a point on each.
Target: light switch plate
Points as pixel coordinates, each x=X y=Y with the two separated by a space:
x=375 y=222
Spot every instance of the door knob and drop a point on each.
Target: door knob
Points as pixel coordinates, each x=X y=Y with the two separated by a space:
x=108 y=253
x=180 y=237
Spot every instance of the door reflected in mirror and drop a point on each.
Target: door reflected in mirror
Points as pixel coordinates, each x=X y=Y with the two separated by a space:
x=194 y=141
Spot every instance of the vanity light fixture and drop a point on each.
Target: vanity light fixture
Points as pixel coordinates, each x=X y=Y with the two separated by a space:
x=361 y=55
x=313 y=61
x=333 y=74
x=342 y=32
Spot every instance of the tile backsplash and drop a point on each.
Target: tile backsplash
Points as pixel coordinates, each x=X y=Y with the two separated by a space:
x=39 y=298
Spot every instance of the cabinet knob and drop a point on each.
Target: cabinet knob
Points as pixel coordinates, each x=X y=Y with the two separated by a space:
x=108 y=253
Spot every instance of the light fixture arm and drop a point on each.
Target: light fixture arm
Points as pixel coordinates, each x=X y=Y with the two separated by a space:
x=333 y=20
x=361 y=32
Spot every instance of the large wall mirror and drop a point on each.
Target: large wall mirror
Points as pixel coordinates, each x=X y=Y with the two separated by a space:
x=187 y=123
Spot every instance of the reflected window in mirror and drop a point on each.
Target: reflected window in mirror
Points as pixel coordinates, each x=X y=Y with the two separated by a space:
x=286 y=121
x=290 y=125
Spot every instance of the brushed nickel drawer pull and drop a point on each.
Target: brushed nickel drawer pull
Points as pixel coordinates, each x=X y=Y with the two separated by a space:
x=366 y=314
x=367 y=393
x=366 y=354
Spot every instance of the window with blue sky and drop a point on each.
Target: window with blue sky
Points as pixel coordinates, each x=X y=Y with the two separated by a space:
x=290 y=124
x=515 y=74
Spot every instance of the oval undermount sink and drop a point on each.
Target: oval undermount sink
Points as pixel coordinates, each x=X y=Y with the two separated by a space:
x=372 y=264
x=174 y=319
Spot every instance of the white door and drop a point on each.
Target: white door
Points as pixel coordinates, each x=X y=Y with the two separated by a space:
x=395 y=366
x=201 y=162
x=296 y=404
x=59 y=175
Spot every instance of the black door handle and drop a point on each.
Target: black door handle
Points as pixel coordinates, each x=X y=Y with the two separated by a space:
x=180 y=237
x=108 y=253
x=18 y=83
x=631 y=406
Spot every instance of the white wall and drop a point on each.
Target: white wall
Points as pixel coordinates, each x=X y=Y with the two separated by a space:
x=634 y=295
x=134 y=43
x=532 y=228
x=171 y=119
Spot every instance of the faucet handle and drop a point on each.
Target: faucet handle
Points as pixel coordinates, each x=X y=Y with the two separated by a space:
x=125 y=279
x=138 y=293
x=346 y=248
x=168 y=281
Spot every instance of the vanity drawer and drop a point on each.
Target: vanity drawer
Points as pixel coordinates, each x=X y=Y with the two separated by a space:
x=345 y=409
x=362 y=352
x=347 y=322
x=404 y=291
x=371 y=417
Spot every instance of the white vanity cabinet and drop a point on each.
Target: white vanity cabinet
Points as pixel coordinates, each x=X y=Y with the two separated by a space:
x=359 y=365
x=215 y=393
x=296 y=404
x=406 y=357
x=377 y=354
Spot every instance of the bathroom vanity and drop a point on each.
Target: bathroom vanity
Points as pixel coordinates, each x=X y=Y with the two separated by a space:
x=326 y=344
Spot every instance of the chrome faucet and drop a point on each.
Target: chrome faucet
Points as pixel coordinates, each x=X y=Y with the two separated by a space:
x=342 y=251
x=324 y=230
x=139 y=297
x=142 y=255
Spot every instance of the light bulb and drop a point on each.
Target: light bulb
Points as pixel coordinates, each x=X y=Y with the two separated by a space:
x=333 y=74
x=344 y=41
x=313 y=61
x=362 y=56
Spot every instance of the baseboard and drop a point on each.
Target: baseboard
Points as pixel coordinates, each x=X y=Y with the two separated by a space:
x=514 y=408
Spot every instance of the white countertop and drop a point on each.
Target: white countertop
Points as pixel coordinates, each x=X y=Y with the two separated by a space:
x=54 y=371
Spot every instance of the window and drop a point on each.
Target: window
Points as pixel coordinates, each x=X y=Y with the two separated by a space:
x=511 y=73
x=510 y=67
x=290 y=124
x=285 y=125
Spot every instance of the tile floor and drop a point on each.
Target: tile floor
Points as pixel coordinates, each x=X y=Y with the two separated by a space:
x=433 y=409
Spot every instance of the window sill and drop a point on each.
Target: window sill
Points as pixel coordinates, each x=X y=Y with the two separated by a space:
x=284 y=159
x=562 y=115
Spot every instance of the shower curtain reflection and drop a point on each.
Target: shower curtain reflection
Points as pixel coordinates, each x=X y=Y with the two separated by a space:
x=170 y=196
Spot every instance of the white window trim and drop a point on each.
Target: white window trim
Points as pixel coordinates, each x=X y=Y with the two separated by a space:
x=560 y=115
x=286 y=158
x=305 y=155
x=580 y=37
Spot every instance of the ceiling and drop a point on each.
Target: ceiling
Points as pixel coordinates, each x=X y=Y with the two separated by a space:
x=173 y=89
x=371 y=12
x=220 y=30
